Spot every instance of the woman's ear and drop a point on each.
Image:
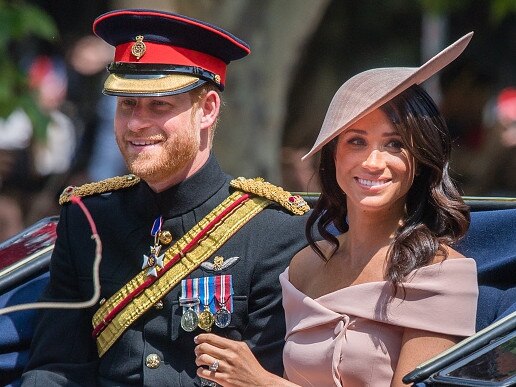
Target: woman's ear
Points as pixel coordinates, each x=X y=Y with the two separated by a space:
x=210 y=106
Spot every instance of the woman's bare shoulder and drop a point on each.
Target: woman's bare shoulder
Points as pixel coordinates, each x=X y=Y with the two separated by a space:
x=305 y=263
x=451 y=253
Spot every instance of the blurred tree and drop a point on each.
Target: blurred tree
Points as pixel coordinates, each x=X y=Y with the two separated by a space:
x=248 y=141
x=20 y=21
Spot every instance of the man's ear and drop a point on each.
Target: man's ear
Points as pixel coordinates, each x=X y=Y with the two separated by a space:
x=210 y=106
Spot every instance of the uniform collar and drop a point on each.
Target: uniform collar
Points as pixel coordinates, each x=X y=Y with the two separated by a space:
x=192 y=192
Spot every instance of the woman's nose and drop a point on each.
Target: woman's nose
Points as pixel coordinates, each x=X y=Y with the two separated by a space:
x=375 y=160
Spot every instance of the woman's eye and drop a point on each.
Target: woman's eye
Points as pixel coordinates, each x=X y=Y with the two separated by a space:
x=356 y=141
x=395 y=144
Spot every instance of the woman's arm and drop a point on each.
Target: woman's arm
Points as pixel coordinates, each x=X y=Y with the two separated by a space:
x=418 y=346
x=237 y=365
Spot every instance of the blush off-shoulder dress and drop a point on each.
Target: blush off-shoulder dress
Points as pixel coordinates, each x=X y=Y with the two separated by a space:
x=352 y=336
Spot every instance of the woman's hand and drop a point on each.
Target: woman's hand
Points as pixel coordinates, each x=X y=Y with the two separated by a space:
x=231 y=363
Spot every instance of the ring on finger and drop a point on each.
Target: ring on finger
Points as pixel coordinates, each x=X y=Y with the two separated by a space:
x=214 y=366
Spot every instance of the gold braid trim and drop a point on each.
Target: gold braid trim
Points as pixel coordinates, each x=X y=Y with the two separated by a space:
x=258 y=186
x=103 y=186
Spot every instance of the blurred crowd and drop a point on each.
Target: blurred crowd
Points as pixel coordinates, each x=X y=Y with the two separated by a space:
x=493 y=172
x=485 y=161
x=76 y=144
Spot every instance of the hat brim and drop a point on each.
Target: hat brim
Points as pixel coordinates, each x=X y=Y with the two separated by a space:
x=369 y=90
x=150 y=86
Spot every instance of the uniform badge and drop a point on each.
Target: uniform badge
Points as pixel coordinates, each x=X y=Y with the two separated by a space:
x=209 y=299
x=219 y=263
x=154 y=261
x=138 y=48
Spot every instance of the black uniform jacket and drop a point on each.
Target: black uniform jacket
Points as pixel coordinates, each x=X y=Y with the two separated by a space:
x=63 y=351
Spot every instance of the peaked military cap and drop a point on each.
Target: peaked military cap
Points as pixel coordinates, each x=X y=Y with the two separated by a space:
x=160 y=53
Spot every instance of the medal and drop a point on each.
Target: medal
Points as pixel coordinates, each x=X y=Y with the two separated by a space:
x=189 y=319
x=222 y=317
x=206 y=301
x=206 y=319
x=223 y=296
x=154 y=262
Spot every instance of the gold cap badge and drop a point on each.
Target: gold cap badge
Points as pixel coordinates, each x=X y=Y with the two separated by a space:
x=138 y=48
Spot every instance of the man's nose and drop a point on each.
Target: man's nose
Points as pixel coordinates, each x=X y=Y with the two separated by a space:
x=138 y=120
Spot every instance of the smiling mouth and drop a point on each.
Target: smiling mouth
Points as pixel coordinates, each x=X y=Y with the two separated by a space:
x=371 y=183
x=143 y=142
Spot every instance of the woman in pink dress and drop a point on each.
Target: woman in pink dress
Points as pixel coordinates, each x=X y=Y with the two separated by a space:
x=369 y=303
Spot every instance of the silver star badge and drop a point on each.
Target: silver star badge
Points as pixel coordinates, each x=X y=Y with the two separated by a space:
x=153 y=261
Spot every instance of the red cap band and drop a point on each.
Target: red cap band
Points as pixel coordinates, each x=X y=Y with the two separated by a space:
x=164 y=54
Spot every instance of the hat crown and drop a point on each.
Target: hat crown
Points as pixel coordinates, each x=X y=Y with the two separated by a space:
x=161 y=53
x=122 y=26
x=370 y=89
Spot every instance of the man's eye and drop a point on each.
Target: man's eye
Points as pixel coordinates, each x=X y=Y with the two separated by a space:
x=127 y=102
x=159 y=103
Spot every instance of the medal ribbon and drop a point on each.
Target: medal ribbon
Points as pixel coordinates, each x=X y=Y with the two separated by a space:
x=212 y=291
x=224 y=292
x=156 y=226
x=206 y=298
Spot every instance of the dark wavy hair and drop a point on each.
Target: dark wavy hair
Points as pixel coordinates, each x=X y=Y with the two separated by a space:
x=435 y=214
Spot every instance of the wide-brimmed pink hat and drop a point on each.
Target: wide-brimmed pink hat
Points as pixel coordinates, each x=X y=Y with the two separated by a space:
x=370 y=89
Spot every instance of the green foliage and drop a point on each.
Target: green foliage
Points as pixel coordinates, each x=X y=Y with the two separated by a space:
x=501 y=8
x=443 y=6
x=498 y=9
x=20 y=21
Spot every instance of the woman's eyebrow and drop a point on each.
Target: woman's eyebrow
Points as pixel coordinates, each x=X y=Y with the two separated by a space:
x=364 y=132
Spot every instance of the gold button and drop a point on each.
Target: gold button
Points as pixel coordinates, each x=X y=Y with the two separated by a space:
x=152 y=361
x=165 y=237
x=159 y=305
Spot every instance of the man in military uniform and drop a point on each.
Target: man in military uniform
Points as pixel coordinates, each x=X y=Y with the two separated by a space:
x=185 y=248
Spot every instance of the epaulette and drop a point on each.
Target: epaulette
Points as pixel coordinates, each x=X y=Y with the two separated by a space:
x=99 y=187
x=258 y=186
